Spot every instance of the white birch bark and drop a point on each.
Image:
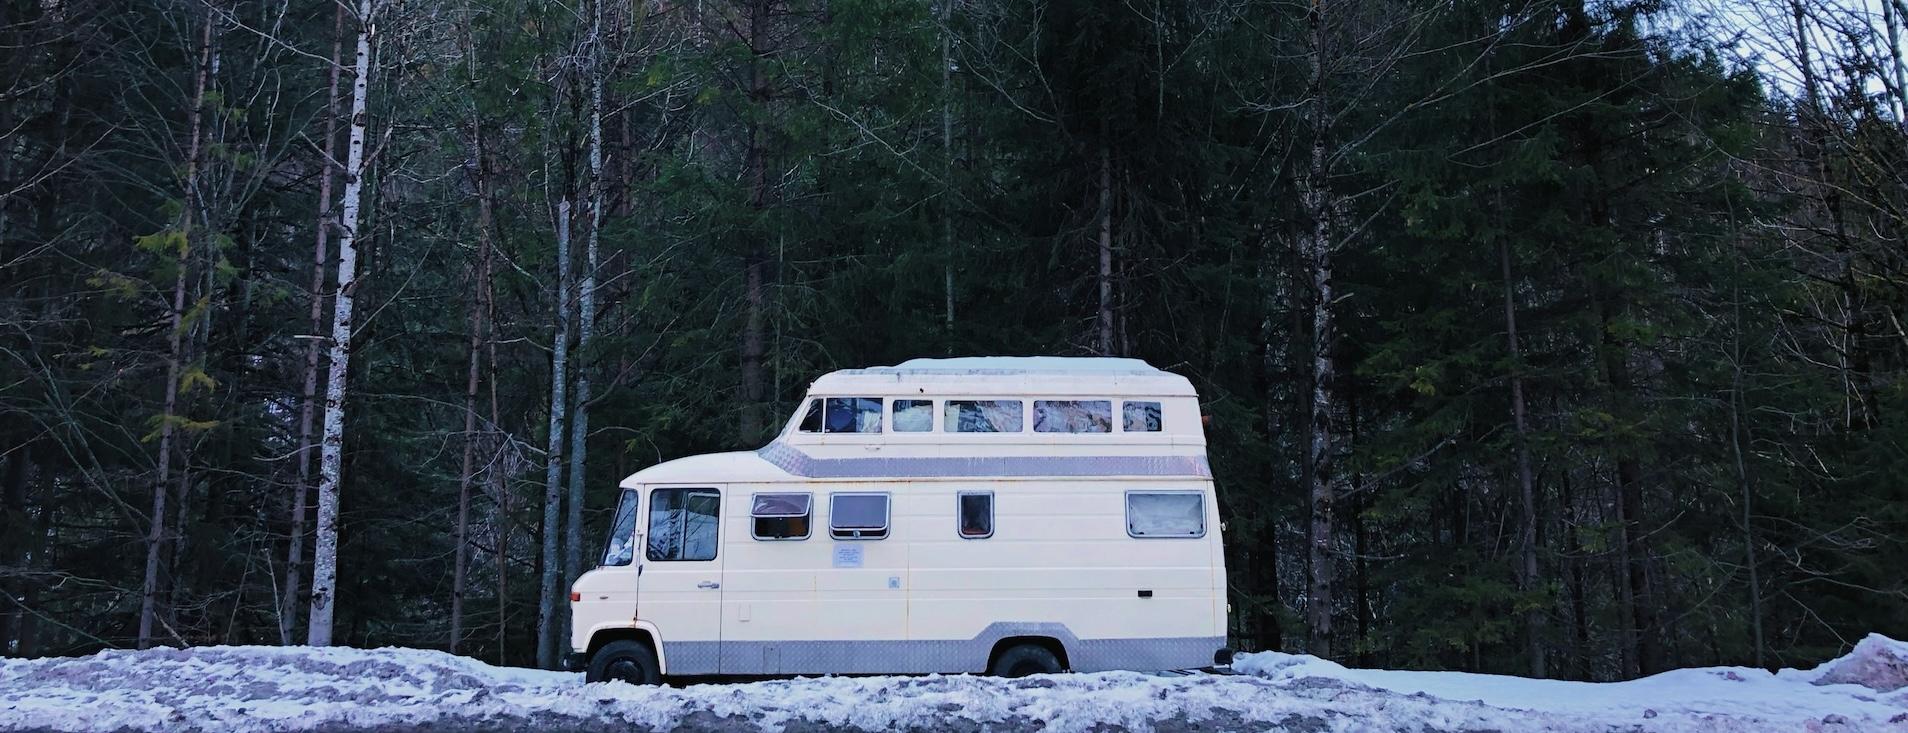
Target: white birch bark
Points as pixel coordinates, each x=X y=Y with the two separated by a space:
x=324 y=572
x=1892 y=19
x=586 y=317
x=547 y=622
x=295 y=552
x=1320 y=206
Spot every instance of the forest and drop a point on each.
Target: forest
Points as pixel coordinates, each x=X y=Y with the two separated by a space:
x=1560 y=338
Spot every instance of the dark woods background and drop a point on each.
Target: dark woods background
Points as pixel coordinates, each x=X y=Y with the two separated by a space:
x=1538 y=336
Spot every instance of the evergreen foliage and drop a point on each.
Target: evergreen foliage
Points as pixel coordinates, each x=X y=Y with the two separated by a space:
x=1704 y=261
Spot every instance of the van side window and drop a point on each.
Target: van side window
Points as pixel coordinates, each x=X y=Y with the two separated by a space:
x=858 y=516
x=682 y=524
x=852 y=415
x=1152 y=514
x=982 y=416
x=1140 y=417
x=913 y=416
x=1073 y=416
x=811 y=420
x=976 y=510
x=781 y=516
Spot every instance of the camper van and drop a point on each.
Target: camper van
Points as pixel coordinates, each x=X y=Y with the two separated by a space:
x=999 y=515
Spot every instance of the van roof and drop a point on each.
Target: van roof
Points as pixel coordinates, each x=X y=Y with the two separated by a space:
x=1007 y=376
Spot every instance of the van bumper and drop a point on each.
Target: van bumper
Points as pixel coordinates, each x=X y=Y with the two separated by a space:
x=575 y=661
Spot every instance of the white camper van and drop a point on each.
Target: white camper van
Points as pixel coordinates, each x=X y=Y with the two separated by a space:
x=990 y=515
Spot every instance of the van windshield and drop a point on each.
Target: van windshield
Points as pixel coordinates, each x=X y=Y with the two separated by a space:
x=621 y=549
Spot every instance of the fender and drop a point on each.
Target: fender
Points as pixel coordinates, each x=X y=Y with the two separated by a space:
x=662 y=661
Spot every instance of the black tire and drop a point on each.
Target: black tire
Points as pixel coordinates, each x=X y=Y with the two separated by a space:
x=631 y=662
x=1021 y=660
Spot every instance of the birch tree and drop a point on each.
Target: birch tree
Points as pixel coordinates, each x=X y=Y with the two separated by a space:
x=308 y=402
x=586 y=310
x=550 y=588
x=324 y=582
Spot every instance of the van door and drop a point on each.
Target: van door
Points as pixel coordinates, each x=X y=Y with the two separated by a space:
x=681 y=586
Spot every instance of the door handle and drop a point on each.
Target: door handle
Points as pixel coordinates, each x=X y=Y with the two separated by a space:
x=708 y=585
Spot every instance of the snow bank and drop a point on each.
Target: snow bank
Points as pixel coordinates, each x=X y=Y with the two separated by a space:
x=1878 y=663
x=297 y=689
x=1787 y=699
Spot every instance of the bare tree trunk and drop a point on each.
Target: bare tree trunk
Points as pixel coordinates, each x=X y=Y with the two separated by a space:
x=1273 y=352
x=500 y=485
x=1361 y=598
x=1527 y=576
x=324 y=572
x=547 y=622
x=1743 y=484
x=755 y=301
x=479 y=335
x=1640 y=630
x=295 y=551
x=1578 y=559
x=29 y=628
x=461 y=568
x=945 y=10
x=1892 y=18
x=156 y=536
x=16 y=530
x=586 y=316
x=1316 y=244
x=1105 y=319
x=1810 y=85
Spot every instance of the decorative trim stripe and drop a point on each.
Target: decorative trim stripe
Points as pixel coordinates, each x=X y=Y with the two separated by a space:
x=928 y=656
x=793 y=460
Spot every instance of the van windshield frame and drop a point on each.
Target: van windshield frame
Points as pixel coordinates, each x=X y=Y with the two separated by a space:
x=619 y=547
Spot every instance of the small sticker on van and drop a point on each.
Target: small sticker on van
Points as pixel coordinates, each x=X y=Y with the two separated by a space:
x=848 y=556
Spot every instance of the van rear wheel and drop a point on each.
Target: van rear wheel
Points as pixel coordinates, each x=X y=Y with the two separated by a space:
x=632 y=662
x=1021 y=660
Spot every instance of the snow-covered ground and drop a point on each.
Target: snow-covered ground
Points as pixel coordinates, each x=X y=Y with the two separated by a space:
x=297 y=689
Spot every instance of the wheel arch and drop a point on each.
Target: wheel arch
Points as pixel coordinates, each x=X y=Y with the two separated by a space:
x=1051 y=644
x=641 y=632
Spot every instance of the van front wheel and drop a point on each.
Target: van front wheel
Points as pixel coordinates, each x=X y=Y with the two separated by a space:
x=1024 y=659
x=632 y=662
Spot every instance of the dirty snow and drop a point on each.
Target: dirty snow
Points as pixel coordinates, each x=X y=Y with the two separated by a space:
x=299 y=689
x=1877 y=663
